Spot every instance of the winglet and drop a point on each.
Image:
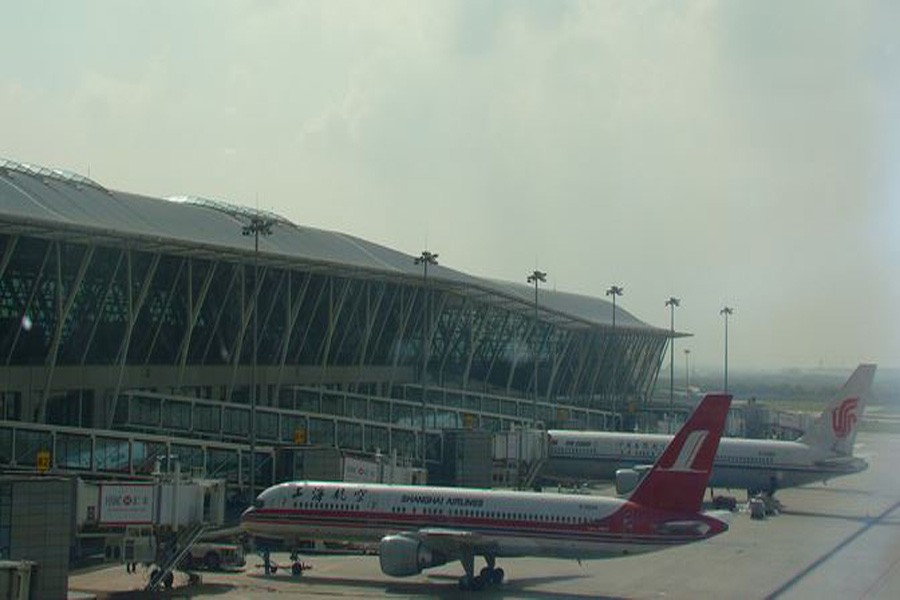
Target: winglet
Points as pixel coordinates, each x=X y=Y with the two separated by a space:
x=678 y=479
x=835 y=428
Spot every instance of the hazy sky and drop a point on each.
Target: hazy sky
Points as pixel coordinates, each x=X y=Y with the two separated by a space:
x=743 y=153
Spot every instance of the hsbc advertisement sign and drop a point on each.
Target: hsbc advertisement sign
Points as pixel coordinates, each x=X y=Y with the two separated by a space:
x=360 y=471
x=126 y=504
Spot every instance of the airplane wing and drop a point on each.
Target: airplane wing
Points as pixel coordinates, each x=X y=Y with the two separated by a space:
x=452 y=542
x=855 y=463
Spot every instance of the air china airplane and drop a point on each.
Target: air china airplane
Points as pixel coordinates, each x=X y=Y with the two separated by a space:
x=823 y=452
x=419 y=527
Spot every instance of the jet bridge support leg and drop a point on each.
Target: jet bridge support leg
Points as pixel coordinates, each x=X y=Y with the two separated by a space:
x=267 y=561
x=176 y=550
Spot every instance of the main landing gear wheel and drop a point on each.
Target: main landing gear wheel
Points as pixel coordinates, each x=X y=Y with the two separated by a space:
x=296 y=569
x=212 y=561
x=489 y=575
x=492 y=576
x=474 y=584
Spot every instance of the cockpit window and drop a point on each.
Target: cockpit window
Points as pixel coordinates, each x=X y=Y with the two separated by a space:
x=258 y=503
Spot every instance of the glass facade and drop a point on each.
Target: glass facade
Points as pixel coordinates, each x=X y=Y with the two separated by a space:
x=124 y=453
x=73 y=451
x=150 y=308
x=112 y=455
x=28 y=444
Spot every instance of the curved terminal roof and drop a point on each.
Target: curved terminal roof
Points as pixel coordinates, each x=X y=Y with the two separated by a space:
x=36 y=197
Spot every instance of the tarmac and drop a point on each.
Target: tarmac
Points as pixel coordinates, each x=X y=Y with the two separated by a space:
x=834 y=540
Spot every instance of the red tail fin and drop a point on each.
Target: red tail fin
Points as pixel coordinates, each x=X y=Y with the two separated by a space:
x=678 y=479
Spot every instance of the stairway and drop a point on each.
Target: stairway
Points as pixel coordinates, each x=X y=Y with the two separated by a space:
x=533 y=470
x=187 y=537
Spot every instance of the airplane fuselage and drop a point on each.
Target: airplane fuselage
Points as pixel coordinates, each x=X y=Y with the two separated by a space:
x=739 y=463
x=499 y=523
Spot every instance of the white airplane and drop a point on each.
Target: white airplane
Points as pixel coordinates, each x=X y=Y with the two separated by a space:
x=418 y=527
x=823 y=452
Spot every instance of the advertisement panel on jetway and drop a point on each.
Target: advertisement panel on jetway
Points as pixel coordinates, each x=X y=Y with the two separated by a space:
x=360 y=470
x=126 y=504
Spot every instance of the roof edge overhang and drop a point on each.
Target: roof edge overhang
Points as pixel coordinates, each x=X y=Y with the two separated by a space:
x=467 y=285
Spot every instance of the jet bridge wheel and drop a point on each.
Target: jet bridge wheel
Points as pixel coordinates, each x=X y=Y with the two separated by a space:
x=212 y=560
x=168 y=581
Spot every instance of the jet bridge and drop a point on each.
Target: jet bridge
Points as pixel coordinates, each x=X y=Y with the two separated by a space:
x=519 y=455
x=153 y=522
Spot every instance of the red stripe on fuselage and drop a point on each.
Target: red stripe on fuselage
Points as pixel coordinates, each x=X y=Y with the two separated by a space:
x=585 y=532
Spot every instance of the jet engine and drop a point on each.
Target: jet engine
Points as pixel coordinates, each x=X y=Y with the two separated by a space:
x=627 y=479
x=401 y=556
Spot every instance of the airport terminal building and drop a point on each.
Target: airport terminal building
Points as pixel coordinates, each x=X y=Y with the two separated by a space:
x=133 y=328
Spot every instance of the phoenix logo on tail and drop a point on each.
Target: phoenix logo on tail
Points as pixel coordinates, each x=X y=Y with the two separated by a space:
x=689 y=451
x=843 y=417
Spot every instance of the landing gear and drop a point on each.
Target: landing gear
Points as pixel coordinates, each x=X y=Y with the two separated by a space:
x=468 y=581
x=489 y=575
x=474 y=584
x=492 y=576
x=297 y=565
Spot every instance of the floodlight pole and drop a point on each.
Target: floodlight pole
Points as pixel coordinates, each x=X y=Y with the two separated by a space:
x=257 y=226
x=687 y=373
x=615 y=290
x=425 y=259
x=726 y=311
x=536 y=277
x=672 y=302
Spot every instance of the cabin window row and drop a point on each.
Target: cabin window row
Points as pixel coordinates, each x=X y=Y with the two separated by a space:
x=452 y=512
x=326 y=506
x=486 y=514
x=750 y=460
